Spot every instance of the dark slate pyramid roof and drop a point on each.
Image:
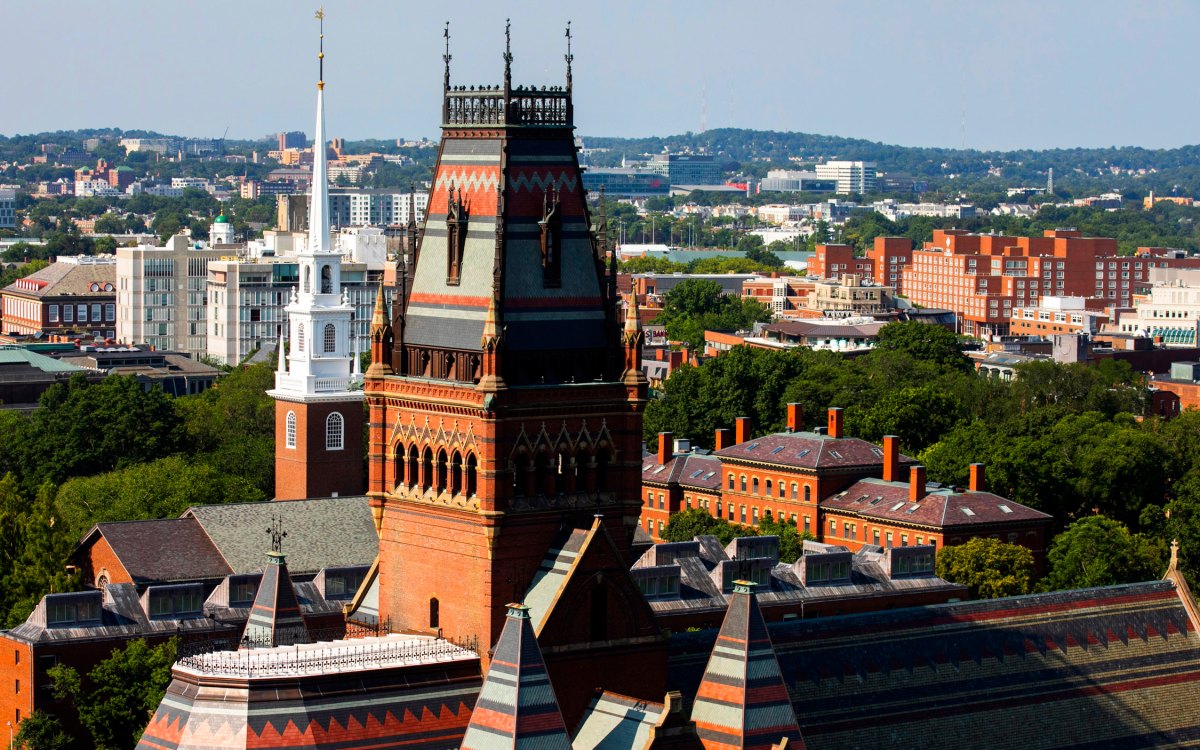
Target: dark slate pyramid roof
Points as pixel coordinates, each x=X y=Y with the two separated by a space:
x=275 y=618
x=516 y=706
x=742 y=701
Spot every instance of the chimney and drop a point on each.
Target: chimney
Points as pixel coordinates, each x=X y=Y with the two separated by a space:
x=724 y=438
x=891 y=458
x=977 y=483
x=916 y=484
x=666 y=444
x=835 y=421
x=795 y=417
x=741 y=430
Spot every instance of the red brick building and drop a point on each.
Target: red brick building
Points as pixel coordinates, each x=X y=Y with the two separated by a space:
x=890 y=257
x=72 y=296
x=831 y=261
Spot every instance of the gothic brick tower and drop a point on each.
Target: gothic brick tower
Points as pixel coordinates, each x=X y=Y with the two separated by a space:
x=318 y=408
x=505 y=392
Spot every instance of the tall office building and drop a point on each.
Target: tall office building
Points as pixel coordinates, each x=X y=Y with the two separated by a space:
x=851 y=176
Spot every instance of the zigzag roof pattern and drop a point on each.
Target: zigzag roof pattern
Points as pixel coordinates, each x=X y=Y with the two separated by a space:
x=742 y=702
x=517 y=708
x=1111 y=667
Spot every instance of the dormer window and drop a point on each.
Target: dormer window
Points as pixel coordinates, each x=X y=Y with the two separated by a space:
x=456 y=235
x=551 y=240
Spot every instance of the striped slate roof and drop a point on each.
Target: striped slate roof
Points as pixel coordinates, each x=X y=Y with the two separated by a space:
x=1117 y=666
x=742 y=701
x=517 y=709
x=275 y=618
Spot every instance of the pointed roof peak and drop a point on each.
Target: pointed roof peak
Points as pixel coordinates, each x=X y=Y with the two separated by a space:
x=742 y=701
x=379 y=314
x=275 y=617
x=516 y=706
x=633 y=323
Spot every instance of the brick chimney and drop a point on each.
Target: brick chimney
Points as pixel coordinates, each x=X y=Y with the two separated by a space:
x=795 y=417
x=916 y=484
x=891 y=458
x=977 y=481
x=741 y=430
x=835 y=421
x=723 y=439
x=666 y=447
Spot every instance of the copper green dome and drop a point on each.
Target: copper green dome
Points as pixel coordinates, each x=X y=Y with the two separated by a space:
x=222 y=219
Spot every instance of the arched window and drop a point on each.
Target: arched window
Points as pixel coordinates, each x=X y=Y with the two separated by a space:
x=442 y=463
x=326 y=280
x=470 y=472
x=754 y=485
x=427 y=469
x=807 y=493
x=435 y=614
x=782 y=485
x=307 y=280
x=334 y=432
x=300 y=337
x=330 y=338
x=455 y=473
x=411 y=476
x=291 y=429
x=768 y=488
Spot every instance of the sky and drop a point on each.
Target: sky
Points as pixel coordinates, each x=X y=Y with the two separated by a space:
x=981 y=73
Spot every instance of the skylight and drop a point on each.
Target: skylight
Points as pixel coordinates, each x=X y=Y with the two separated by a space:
x=860 y=498
x=696 y=473
x=897 y=506
x=660 y=469
x=835 y=454
x=967 y=511
x=751 y=447
x=709 y=475
x=776 y=449
x=913 y=508
x=803 y=453
x=877 y=500
x=1004 y=508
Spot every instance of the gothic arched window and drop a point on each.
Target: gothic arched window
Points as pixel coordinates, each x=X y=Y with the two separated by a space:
x=291 y=429
x=300 y=337
x=326 y=280
x=334 y=432
x=330 y=338
x=551 y=240
x=456 y=235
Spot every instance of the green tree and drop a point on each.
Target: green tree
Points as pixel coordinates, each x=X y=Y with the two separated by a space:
x=39 y=568
x=1098 y=551
x=988 y=568
x=791 y=539
x=918 y=415
x=120 y=694
x=697 y=305
x=41 y=731
x=926 y=343
x=693 y=522
x=9 y=275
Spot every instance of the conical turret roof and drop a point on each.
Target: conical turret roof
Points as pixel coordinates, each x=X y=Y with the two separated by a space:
x=275 y=618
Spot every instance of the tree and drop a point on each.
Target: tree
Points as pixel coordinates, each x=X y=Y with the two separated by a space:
x=791 y=539
x=120 y=694
x=41 y=731
x=1098 y=551
x=699 y=304
x=988 y=568
x=39 y=567
x=924 y=342
x=917 y=415
x=10 y=275
x=693 y=522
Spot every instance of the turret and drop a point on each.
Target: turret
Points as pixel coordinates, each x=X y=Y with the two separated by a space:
x=381 y=339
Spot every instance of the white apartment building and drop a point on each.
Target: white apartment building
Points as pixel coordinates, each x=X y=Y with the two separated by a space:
x=160 y=294
x=1171 y=311
x=247 y=301
x=781 y=213
x=373 y=208
x=851 y=176
x=8 y=209
x=200 y=183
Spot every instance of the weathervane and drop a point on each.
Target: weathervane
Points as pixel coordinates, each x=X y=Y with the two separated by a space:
x=277 y=533
x=446 y=55
x=321 y=51
x=570 y=58
x=507 y=54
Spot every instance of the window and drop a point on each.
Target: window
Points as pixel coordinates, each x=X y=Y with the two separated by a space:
x=661 y=502
x=743 y=482
x=768 y=488
x=833 y=528
x=807 y=493
x=875 y=538
x=326 y=280
x=889 y=539
x=742 y=515
x=904 y=540
x=291 y=429
x=81 y=313
x=330 y=338
x=300 y=337
x=782 y=485
x=435 y=613
x=731 y=481
x=807 y=524
x=334 y=432
x=649 y=499
x=754 y=485
x=96 y=313
x=53 y=313
x=68 y=314
x=110 y=312
x=795 y=490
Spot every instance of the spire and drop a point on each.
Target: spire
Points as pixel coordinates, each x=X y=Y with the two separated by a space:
x=517 y=708
x=491 y=342
x=381 y=337
x=570 y=58
x=446 y=57
x=742 y=701
x=318 y=210
x=275 y=618
x=379 y=314
x=508 y=58
x=281 y=366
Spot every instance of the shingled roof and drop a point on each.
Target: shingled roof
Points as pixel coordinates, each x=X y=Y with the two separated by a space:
x=517 y=709
x=1110 y=667
x=742 y=701
x=699 y=470
x=275 y=618
x=943 y=507
x=164 y=550
x=808 y=450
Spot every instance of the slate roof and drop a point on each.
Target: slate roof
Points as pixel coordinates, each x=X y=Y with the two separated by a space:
x=940 y=507
x=701 y=471
x=327 y=532
x=617 y=722
x=275 y=618
x=1110 y=667
x=67 y=279
x=808 y=450
x=172 y=549
x=552 y=574
x=517 y=709
x=742 y=701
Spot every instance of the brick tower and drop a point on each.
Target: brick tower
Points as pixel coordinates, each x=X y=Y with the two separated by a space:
x=318 y=406
x=505 y=391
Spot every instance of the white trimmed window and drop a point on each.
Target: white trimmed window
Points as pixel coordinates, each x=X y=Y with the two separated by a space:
x=291 y=429
x=300 y=337
x=334 y=432
x=330 y=338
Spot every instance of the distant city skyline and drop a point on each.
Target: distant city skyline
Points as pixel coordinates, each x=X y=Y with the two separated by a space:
x=985 y=75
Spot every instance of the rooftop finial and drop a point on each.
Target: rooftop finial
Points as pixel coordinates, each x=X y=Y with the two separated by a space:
x=446 y=55
x=277 y=533
x=507 y=54
x=570 y=58
x=321 y=49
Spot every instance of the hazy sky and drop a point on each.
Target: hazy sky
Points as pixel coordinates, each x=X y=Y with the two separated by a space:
x=1026 y=74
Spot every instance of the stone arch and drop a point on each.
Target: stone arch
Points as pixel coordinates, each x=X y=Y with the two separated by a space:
x=470 y=470
x=441 y=470
x=427 y=468
x=412 y=466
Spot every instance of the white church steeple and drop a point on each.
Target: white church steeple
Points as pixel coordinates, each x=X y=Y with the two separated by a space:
x=319 y=315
